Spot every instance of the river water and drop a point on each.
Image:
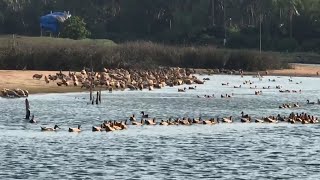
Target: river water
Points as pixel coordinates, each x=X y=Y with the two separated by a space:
x=222 y=151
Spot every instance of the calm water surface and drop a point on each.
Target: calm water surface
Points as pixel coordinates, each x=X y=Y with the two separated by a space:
x=223 y=151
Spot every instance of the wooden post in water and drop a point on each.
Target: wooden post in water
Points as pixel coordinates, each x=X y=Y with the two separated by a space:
x=91 y=84
x=97 y=99
x=90 y=93
x=100 y=96
x=27 y=109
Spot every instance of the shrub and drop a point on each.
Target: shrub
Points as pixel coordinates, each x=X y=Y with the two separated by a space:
x=66 y=54
x=75 y=28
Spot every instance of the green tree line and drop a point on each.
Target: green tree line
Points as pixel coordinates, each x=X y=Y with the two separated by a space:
x=286 y=25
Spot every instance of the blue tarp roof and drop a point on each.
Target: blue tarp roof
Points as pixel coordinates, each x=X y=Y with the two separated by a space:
x=51 y=22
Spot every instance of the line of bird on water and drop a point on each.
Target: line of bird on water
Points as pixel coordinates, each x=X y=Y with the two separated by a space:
x=267 y=87
x=212 y=96
x=311 y=102
x=297 y=104
x=185 y=89
x=109 y=126
x=289 y=106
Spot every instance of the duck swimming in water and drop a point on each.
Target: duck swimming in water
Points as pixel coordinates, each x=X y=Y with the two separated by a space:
x=75 y=129
x=182 y=90
x=210 y=121
x=227 y=120
x=151 y=121
x=96 y=128
x=244 y=115
x=132 y=118
x=246 y=120
x=308 y=102
x=259 y=120
x=144 y=115
x=109 y=127
x=164 y=123
x=135 y=123
x=270 y=120
x=56 y=127
x=280 y=118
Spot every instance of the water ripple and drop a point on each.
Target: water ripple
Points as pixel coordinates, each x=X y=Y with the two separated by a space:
x=224 y=151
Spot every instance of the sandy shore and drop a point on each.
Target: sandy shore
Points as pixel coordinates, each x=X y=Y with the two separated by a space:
x=302 y=70
x=23 y=79
x=12 y=79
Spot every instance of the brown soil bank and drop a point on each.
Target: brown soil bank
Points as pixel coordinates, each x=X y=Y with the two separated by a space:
x=307 y=70
x=296 y=69
x=111 y=79
x=12 y=79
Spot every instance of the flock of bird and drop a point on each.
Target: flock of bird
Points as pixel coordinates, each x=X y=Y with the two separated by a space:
x=212 y=96
x=289 y=106
x=295 y=105
x=121 y=79
x=109 y=126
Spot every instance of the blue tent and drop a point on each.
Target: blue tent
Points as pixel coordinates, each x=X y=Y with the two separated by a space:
x=51 y=22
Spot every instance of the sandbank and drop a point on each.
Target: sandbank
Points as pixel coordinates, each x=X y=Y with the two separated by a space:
x=12 y=79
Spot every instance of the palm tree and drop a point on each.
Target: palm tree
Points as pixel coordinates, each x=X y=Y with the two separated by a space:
x=293 y=4
x=291 y=7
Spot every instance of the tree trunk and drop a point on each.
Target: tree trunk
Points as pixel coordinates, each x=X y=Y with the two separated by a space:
x=212 y=12
x=260 y=20
x=291 y=16
x=252 y=16
x=249 y=17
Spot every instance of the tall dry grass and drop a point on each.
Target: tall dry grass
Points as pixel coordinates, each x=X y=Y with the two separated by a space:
x=65 y=54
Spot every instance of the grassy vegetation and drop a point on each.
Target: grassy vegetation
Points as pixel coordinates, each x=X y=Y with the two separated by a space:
x=8 y=41
x=43 y=53
x=303 y=57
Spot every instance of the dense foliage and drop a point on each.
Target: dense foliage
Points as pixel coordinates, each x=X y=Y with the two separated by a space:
x=287 y=25
x=75 y=28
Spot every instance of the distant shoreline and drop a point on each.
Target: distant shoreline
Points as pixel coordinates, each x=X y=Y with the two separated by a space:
x=12 y=79
x=297 y=70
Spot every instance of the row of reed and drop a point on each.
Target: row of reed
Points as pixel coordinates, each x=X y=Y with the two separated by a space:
x=72 y=55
